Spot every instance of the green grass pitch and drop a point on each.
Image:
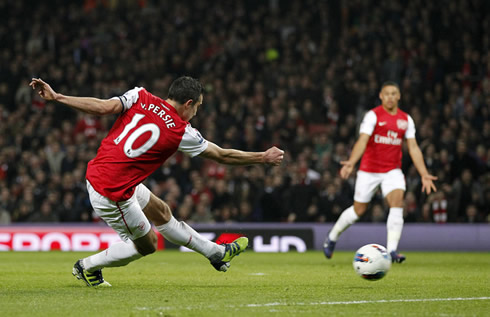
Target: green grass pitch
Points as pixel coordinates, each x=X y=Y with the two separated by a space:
x=172 y=283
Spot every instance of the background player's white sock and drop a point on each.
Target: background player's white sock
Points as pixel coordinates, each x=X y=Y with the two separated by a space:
x=178 y=232
x=346 y=219
x=394 y=227
x=118 y=254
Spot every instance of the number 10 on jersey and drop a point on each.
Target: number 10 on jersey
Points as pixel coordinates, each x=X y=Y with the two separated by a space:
x=134 y=135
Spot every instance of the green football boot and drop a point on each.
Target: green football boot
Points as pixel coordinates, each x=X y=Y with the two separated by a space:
x=231 y=250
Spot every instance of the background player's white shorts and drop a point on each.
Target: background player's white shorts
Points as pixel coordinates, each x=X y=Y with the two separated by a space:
x=125 y=217
x=367 y=184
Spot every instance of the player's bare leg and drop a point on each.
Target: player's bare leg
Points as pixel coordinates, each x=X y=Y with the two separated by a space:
x=346 y=219
x=360 y=208
x=178 y=232
x=394 y=224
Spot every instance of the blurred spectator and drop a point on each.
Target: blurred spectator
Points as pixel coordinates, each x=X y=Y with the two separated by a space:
x=7 y=202
x=184 y=210
x=272 y=202
x=301 y=80
x=333 y=199
x=466 y=192
x=471 y=214
x=54 y=156
x=87 y=125
x=227 y=213
x=426 y=213
x=439 y=207
x=221 y=196
x=69 y=210
x=412 y=210
x=4 y=217
x=46 y=214
x=23 y=212
x=202 y=212
x=378 y=213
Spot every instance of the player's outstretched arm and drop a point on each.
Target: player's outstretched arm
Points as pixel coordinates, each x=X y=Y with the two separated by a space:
x=357 y=152
x=86 y=104
x=418 y=160
x=272 y=156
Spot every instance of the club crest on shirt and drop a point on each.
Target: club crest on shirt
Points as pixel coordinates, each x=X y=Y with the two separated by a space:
x=402 y=124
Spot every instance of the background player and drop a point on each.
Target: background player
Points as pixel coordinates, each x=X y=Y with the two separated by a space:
x=381 y=134
x=147 y=132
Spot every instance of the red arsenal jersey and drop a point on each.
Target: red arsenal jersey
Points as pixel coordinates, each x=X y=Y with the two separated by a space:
x=146 y=134
x=384 y=149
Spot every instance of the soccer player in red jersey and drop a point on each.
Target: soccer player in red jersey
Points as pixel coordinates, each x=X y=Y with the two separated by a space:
x=380 y=145
x=147 y=132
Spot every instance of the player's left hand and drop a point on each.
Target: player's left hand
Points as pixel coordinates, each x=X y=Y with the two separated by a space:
x=346 y=170
x=428 y=184
x=273 y=156
x=43 y=89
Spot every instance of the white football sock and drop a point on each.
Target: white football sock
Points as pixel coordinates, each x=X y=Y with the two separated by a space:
x=178 y=232
x=346 y=219
x=394 y=227
x=118 y=254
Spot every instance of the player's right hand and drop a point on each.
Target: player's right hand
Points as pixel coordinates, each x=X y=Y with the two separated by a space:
x=273 y=156
x=43 y=89
x=428 y=184
x=346 y=169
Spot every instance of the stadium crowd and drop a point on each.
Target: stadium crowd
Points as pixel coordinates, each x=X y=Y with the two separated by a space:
x=296 y=74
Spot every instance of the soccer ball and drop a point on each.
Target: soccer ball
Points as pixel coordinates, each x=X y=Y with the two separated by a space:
x=372 y=262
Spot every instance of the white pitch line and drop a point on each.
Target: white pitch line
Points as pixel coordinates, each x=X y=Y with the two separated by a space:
x=372 y=301
x=357 y=302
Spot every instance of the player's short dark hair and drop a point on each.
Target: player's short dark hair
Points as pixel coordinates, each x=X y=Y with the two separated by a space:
x=185 y=88
x=390 y=83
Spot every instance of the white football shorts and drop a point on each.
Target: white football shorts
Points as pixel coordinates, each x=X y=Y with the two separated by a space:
x=125 y=217
x=367 y=184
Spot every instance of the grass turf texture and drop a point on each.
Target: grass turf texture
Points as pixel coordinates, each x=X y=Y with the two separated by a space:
x=171 y=283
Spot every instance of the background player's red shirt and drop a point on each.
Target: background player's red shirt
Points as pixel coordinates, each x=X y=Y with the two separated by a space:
x=146 y=134
x=384 y=149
